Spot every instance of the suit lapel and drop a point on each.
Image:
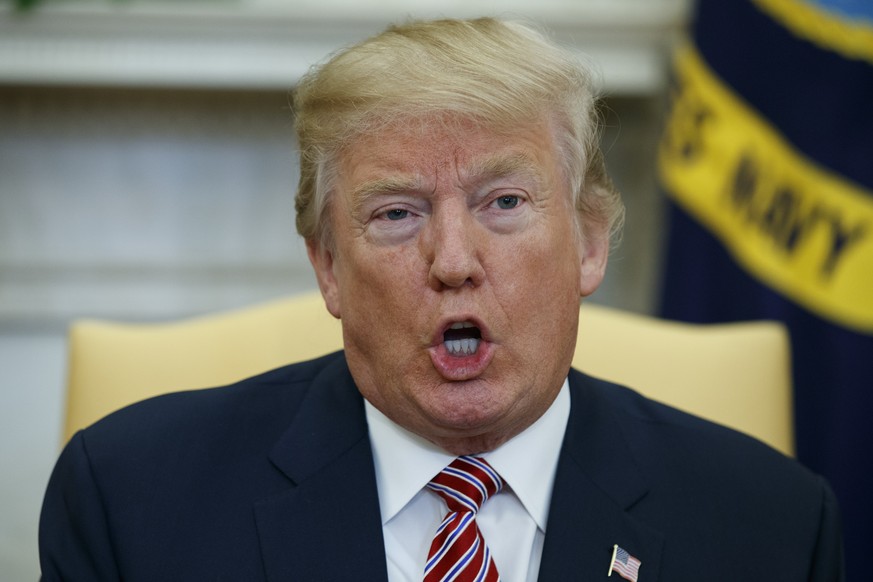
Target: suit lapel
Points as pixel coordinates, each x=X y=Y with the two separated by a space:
x=327 y=524
x=596 y=484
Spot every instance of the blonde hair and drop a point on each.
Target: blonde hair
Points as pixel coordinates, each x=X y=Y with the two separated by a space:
x=497 y=74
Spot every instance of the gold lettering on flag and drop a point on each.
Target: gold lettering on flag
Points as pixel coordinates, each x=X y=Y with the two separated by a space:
x=802 y=230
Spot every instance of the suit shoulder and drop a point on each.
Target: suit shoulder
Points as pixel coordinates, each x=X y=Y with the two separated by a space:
x=712 y=491
x=664 y=438
x=267 y=401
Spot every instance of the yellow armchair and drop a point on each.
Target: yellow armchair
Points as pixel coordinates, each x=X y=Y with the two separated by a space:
x=735 y=374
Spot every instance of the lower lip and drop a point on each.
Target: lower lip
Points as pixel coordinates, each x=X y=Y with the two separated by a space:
x=458 y=368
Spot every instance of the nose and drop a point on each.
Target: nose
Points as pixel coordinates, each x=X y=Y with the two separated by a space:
x=452 y=246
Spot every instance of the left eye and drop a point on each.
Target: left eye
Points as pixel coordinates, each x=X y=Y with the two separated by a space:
x=507 y=202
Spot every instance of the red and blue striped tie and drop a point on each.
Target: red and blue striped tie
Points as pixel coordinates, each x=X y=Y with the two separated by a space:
x=458 y=552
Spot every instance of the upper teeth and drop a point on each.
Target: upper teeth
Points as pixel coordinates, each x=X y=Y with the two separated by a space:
x=465 y=346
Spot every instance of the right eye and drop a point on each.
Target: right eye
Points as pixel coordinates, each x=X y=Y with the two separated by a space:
x=396 y=214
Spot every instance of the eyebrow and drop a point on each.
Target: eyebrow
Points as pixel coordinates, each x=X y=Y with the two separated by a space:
x=504 y=166
x=481 y=171
x=382 y=187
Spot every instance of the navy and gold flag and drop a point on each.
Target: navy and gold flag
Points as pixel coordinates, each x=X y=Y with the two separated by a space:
x=767 y=160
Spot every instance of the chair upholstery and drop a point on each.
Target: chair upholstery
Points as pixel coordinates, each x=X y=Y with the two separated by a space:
x=735 y=374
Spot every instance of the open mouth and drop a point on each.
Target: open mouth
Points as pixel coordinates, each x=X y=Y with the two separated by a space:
x=464 y=349
x=462 y=339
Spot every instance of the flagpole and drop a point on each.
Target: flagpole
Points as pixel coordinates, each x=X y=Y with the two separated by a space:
x=612 y=561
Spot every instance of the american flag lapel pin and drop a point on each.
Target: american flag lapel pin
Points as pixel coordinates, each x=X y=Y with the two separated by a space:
x=624 y=564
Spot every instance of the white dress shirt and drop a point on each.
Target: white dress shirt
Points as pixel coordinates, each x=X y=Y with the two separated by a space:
x=513 y=522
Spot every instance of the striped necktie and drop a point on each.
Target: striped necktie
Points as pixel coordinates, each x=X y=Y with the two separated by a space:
x=458 y=552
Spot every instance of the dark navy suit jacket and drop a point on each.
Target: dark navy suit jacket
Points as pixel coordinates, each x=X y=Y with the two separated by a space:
x=273 y=479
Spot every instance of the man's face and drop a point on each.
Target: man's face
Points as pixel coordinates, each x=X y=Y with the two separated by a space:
x=457 y=274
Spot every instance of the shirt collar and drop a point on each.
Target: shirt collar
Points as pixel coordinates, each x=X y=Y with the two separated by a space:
x=405 y=462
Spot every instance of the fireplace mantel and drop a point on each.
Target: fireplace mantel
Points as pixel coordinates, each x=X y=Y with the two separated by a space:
x=268 y=44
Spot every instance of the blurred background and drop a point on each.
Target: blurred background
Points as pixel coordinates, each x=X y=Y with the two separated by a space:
x=147 y=172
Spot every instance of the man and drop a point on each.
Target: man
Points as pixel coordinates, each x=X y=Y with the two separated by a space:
x=456 y=210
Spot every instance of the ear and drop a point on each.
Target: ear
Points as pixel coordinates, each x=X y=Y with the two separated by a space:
x=594 y=254
x=323 y=264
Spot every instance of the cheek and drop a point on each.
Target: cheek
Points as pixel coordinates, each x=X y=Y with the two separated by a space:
x=390 y=270
x=382 y=285
x=550 y=261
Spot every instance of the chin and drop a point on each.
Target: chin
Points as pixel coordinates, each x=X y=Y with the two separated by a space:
x=467 y=417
